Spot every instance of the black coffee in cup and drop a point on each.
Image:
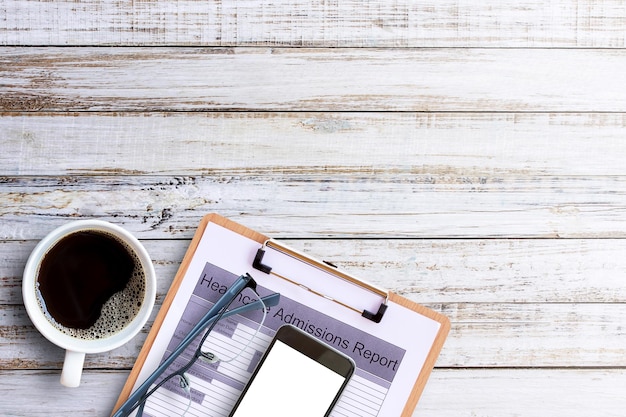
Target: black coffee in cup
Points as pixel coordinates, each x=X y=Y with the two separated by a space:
x=90 y=284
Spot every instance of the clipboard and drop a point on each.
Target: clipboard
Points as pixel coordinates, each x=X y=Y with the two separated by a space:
x=332 y=291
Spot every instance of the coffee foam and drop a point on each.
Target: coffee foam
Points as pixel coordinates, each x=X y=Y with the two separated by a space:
x=117 y=312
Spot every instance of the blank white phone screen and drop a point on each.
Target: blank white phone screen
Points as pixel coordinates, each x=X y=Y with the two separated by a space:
x=290 y=384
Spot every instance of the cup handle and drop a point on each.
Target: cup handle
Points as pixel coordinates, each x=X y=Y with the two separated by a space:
x=72 y=368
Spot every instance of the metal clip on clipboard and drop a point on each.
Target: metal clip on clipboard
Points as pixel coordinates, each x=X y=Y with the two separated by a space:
x=327 y=268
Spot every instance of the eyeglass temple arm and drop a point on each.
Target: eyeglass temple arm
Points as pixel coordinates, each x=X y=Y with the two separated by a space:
x=128 y=406
x=208 y=318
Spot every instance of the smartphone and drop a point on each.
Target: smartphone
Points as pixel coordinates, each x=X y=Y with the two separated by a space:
x=297 y=376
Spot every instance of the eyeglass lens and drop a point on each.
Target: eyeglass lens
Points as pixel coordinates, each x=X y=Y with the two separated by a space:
x=210 y=377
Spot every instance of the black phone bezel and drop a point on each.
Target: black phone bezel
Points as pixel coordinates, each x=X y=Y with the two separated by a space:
x=312 y=348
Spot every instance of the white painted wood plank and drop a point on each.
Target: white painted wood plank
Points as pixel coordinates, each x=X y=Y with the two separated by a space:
x=149 y=79
x=449 y=145
x=513 y=303
x=39 y=393
x=524 y=393
x=485 y=332
x=483 y=335
x=448 y=393
x=23 y=347
x=426 y=271
x=333 y=204
x=398 y=23
x=484 y=271
x=535 y=335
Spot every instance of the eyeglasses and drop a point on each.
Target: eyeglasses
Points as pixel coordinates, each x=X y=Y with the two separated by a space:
x=178 y=376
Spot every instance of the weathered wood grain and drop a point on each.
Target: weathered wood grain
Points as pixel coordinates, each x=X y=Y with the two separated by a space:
x=523 y=393
x=521 y=312
x=426 y=271
x=41 y=394
x=453 y=145
x=448 y=393
x=498 y=335
x=333 y=204
x=352 y=23
x=23 y=347
x=151 y=79
x=439 y=149
x=525 y=332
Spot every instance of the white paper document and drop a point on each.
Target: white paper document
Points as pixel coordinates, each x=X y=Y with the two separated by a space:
x=389 y=356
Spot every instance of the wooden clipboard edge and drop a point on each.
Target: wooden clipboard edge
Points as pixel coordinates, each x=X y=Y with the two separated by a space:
x=420 y=383
x=171 y=293
x=433 y=354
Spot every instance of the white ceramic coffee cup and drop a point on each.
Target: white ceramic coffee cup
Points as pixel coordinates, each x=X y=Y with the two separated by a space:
x=76 y=348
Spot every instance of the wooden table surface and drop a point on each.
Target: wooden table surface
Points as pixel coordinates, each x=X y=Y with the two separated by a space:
x=467 y=155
